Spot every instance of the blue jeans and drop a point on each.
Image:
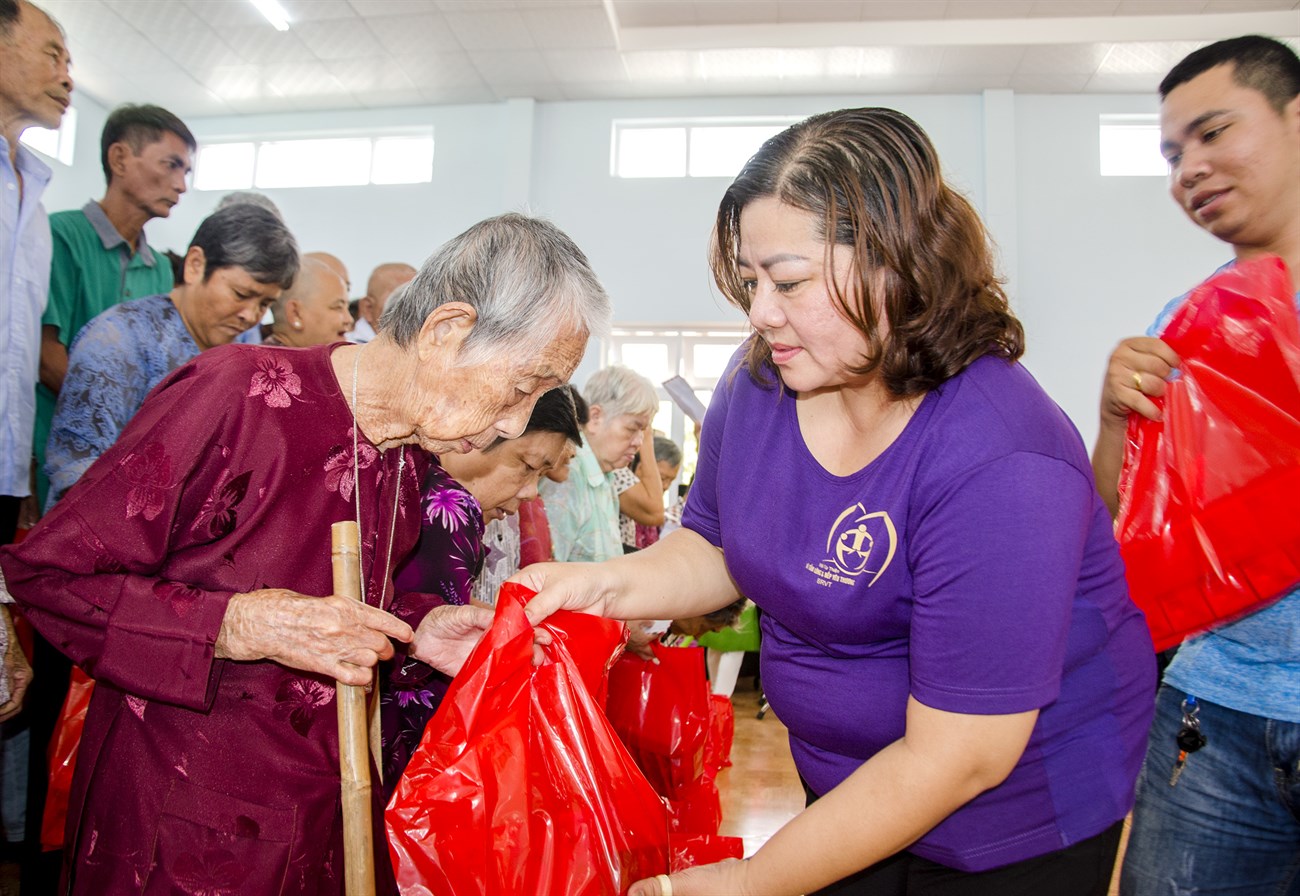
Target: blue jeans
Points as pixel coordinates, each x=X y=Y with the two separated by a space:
x=1231 y=825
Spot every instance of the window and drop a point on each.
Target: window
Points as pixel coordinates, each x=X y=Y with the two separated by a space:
x=316 y=162
x=688 y=148
x=699 y=354
x=1130 y=147
x=60 y=144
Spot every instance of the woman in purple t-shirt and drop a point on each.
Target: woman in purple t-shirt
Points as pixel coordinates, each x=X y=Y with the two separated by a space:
x=946 y=630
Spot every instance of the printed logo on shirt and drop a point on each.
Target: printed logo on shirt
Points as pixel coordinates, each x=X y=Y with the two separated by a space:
x=860 y=544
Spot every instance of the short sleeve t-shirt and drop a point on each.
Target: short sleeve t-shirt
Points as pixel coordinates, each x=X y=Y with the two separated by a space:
x=971 y=566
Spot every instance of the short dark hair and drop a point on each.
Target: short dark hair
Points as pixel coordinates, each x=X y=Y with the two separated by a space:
x=249 y=237
x=872 y=180
x=1258 y=63
x=138 y=126
x=9 y=13
x=555 y=411
x=668 y=451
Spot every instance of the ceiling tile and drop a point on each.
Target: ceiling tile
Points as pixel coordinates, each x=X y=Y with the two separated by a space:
x=657 y=66
x=1074 y=8
x=338 y=39
x=511 y=66
x=504 y=30
x=306 y=102
x=579 y=28
x=236 y=82
x=440 y=70
x=196 y=48
x=1261 y=5
x=368 y=75
x=147 y=15
x=545 y=92
x=653 y=13
x=314 y=10
x=1063 y=59
x=972 y=83
x=393 y=7
x=577 y=66
x=464 y=93
x=384 y=99
x=1150 y=57
x=296 y=79
x=265 y=44
x=227 y=15
x=412 y=35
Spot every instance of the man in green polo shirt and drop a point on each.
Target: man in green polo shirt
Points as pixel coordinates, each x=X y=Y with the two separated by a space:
x=100 y=254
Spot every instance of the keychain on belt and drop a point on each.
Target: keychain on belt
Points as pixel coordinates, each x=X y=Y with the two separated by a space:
x=1189 y=739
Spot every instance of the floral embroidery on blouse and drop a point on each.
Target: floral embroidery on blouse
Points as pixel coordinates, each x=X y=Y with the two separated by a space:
x=340 y=471
x=177 y=595
x=275 y=381
x=215 y=873
x=447 y=507
x=150 y=475
x=299 y=699
x=218 y=510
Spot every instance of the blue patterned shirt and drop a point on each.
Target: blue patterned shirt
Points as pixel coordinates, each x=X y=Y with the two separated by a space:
x=114 y=363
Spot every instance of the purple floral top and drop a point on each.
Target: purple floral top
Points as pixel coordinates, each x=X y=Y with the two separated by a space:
x=445 y=563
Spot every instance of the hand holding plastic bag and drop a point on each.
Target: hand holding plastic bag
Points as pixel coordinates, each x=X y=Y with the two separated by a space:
x=519 y=786
x=1207 y=521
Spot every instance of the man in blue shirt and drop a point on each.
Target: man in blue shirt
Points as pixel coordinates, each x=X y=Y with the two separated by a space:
x=1230 y=820
x=35 y=89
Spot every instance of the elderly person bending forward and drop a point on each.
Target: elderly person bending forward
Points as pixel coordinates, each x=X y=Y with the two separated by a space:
x=188 y=571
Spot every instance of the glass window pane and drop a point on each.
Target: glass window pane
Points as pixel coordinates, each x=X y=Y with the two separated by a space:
x=59 y=144
x=663 y=421
x=224 y=166
x=314 y=163
x=402 y=160
x=1132 y=151
x=709 y=360
x=722 y=151
x=650 y=359
x=651 y=152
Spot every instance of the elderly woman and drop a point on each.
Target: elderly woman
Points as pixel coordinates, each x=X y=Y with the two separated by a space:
x=314 y=310
x=583 y=510
x=188 y=571
x=459 y=496
x=946 y=629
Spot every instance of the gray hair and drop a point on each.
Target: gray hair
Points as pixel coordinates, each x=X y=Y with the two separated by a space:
x=668 y=451
x=526 y=280
x=248 y=237
x=621 y=390
x=252 y=197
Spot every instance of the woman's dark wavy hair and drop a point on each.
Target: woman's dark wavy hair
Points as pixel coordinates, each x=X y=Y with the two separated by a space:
x=921 y=254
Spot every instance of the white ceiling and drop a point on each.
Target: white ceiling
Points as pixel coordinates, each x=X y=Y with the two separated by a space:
x=220 y=57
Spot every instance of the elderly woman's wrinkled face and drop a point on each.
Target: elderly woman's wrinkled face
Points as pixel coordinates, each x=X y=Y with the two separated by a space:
x=469 y=407
x=615 y=440
x=501 y=478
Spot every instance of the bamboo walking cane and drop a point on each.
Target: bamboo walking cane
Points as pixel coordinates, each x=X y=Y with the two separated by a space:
x=354 y=752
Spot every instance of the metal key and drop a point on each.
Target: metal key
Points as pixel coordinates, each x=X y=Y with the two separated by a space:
x=1189 y=737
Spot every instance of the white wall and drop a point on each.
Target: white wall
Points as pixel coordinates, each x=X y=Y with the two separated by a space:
x=1088 y=259
x=71 y=186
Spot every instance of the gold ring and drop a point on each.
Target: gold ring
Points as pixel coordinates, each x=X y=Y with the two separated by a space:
x=1137 y=381
x=665 y=885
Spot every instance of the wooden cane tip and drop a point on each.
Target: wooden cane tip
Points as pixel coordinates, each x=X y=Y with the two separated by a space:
x=344 y=537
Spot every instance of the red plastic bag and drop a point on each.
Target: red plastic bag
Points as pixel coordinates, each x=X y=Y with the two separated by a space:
x=519 y=785
x=63 y=758
x=1207 y=520
x=661 y=712
x=722 y=731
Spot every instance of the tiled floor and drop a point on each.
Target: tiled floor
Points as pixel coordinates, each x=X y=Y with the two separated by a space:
x=761 y=790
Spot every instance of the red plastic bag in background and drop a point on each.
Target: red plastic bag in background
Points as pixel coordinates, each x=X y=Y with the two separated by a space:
x=519 y=786
x=63 y=758
x=1207 y=520
x=661 y=711
x=722 y=731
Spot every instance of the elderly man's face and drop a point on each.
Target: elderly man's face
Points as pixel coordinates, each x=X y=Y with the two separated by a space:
x=154 y=179
x=470 y=406
x=35 y=86
x=323 y=313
